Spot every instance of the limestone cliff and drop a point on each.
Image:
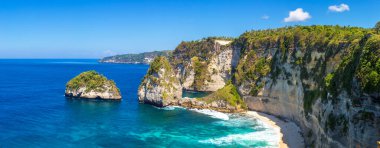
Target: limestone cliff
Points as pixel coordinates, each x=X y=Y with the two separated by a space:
x=92 y=85
x=324 y=78
x=160 y=86
x=314 y=76
x=204 y=65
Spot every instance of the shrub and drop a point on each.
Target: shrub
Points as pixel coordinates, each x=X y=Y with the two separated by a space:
x=92 y=80
x=229 y=94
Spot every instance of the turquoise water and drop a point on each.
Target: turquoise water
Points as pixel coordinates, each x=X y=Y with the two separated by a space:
x=35 y=113
x=194 y=94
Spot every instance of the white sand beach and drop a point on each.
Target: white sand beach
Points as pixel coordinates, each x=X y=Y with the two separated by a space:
x=290 y=133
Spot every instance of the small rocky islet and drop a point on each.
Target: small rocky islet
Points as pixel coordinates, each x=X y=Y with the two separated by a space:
x=92 y=85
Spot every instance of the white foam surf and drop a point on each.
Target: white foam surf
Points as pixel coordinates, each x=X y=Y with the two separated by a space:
x=263 y=134
x=169 y=107
x=212 y=113
x=247 y=139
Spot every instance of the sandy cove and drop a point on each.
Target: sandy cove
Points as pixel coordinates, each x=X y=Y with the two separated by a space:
x=289 y=132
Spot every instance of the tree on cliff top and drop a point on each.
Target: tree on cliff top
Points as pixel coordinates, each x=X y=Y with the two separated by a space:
x=377 y=27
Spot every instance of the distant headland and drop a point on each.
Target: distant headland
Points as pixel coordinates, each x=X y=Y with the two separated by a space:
x=140 y=58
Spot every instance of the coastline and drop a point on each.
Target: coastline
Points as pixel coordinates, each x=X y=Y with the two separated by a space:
x=289 y=132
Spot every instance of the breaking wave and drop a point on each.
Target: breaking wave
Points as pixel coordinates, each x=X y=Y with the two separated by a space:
x=170 y=107
x=249 y=139
x=212 y=113
x=261 y=135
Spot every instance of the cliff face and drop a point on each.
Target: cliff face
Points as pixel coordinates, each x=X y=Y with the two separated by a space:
x=324 y=78
x=204 y=65
x=207 y=69
x=92 y=85
x=160 y=87
x=314 y=76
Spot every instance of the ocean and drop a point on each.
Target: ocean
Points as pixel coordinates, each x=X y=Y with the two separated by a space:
x=35 y=113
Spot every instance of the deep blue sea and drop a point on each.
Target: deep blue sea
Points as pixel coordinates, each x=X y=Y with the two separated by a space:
x=35 y=113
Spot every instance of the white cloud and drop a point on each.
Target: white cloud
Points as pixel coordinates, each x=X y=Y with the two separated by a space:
x=265 y=17
x=297 y=15
x=339 y=8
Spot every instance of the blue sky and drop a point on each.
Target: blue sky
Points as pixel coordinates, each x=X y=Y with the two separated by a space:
x=97 y=28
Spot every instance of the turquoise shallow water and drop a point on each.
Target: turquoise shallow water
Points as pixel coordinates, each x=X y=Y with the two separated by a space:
x=34 y=113
x=194 y=94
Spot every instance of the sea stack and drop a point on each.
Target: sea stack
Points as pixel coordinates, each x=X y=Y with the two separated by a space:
x=92 y=85
x=160 y=87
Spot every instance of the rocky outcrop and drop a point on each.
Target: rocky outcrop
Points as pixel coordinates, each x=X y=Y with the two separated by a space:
x=92 y=85
x=156 y=91
x=208 y=71
x=160 y=86
x=217 y=105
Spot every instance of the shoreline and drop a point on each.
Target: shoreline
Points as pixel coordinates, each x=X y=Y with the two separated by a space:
x=289 y=132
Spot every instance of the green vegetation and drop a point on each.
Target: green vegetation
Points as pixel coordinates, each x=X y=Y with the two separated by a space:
x=136 y=58
x=199 y=54
x=92 y=80
x=252 y=69
x=203 y=49
x=328 y=79
x=369 y=65
x=158 y=63
x=201 y=74
x=362 y=63
x=331 y=59
x=377 y=27
x=229 y=94
x=167 y=79
x=355 y=50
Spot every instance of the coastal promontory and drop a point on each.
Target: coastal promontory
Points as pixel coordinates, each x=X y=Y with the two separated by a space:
x=166 y=79
x=92 y=85
x=326 y=79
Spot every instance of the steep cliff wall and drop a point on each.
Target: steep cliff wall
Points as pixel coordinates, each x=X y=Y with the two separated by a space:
x=160 y=86
x=204 y=65
x=324 y=78
x=316 y=77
